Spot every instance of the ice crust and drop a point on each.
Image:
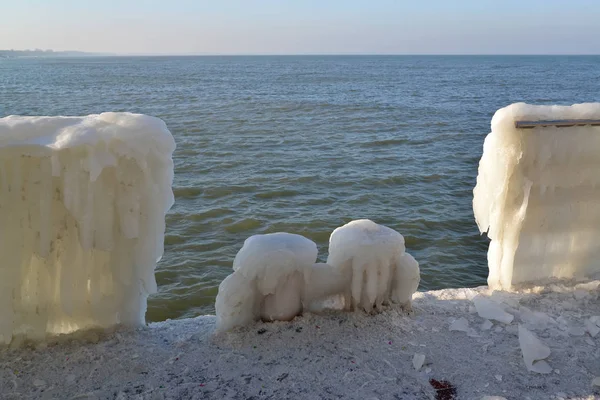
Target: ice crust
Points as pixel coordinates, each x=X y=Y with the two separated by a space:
x=276 y=276
x=82 y=220
x=537 y=196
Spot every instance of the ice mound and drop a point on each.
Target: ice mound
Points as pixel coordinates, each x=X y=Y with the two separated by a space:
x=537 y=196
x=374 y=257
x=82 y=220
x=275 y=277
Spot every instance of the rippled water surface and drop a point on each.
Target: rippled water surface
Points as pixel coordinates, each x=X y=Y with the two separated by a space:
x=306 y=144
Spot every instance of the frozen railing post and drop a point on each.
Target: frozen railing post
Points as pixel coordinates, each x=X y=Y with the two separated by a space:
x=538 y=194
x=82 y=220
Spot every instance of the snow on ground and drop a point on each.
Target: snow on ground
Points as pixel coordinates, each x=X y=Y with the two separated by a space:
x=332 y=356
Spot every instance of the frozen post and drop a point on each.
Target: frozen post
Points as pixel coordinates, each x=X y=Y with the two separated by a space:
x=538 y=192
x=82 y=220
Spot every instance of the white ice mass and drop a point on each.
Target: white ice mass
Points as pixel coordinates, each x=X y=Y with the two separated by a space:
x=374 y=257
x=82 y=220
x=537 y=196
x=276 y=276
x=270 y=272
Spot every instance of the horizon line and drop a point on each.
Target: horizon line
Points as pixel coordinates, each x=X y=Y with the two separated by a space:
x=191 y=54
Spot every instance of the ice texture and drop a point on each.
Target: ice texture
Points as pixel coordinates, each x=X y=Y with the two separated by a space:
x=275 y=277
x=82 y=220
x=374 y=257
x=537 y=196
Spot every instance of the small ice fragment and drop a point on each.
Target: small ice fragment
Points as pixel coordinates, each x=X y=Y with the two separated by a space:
x=472 y=333
x=512 y=329
x=498 y=329
x=460 y=324
x=70 y=379
x=596 y=381
x=493 y=398
x=486 y=325
x=39 y=383
x=498 y=378
x=591 y=327
x=418 y=361
x=590 y=341
x=534 y=352
x=489 y=309
x=472 y=310
x=427 y=370
x=535 y=318
x=576 y=331
x=557 y=371
x=561 y=395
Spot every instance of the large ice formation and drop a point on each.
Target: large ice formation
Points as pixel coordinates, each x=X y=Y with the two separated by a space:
x=537 y=195
x=374 y=258
x=275 y=277
x=82 y=220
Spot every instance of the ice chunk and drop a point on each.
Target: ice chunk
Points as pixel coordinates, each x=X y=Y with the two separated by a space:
x=536 y=196
x=374 y=256
x=591 y=327
x=275 y=278
x=535 y=319
x=418 y=360
x=489 y=309
x=577 y=331
x=534 y=352
x=461 y=324
x=82 y=220
x=596 y=381
x=486 y=325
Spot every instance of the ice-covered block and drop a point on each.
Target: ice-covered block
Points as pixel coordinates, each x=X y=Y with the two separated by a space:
x=537 y=195
x=275 y=278
x=375 y=258
x=82 y=220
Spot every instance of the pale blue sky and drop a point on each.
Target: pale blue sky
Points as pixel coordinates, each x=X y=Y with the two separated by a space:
x=304 y=26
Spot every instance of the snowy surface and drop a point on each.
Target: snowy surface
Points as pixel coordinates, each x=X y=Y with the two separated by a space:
x=331 y=356
x=82 y=208
x=537 y=196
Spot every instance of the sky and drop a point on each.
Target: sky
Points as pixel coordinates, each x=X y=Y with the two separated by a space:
x=303 y=26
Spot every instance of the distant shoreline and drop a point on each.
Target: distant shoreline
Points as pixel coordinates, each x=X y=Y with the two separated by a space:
x=49 y=54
